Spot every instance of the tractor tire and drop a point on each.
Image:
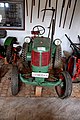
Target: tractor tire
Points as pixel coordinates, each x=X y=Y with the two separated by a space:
x=71 y=66
x=24 y=54
x=9 y=54
x=64 y=90
x=57 y=60
x=14 y=81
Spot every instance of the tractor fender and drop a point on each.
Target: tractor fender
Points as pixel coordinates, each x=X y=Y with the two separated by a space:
x=10 y=41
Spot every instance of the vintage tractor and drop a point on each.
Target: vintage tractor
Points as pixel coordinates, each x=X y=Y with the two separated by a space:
x=8 y=50
x=73 y=61
x=12 y=50
x=40 y=53
x=3 y=34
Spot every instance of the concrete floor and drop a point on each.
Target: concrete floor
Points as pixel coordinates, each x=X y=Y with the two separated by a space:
x=22 y=108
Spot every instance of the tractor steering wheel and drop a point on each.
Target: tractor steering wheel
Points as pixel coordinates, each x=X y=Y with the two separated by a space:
x=39 y=28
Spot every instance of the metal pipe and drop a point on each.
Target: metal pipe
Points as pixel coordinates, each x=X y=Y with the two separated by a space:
x=53 y=30
x=51 y=22
x=38 y=8
x=56 y=10
x=44 y=11
x=27 y=7
x=79 y=40
x=49 y=3
x=72 y=14
x=66 y=13
x=70 y=3
x=53 y=10
x=63 y=4
x=31 y=11
x=33 y=2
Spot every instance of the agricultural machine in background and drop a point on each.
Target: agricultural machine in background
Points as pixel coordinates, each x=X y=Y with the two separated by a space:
x=3 y=34
x=73 y=61
x=8 y=50
x=12 y=49
x=37 y=53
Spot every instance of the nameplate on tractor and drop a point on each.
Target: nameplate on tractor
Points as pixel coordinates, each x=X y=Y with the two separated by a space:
x=41 y=75
x=41 y=49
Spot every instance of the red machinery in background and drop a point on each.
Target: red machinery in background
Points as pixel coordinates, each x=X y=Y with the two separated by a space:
x=73 y=61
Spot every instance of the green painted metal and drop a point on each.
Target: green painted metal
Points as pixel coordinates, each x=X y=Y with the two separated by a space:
x=10 y=40
x=53 y=50
x=36 y=50
x=32 y=81
x=28 y=56
x=30 y=46
x=41 y=42
x=39 y=80
x=40 y=69
x=44 y=43
x=46 y=46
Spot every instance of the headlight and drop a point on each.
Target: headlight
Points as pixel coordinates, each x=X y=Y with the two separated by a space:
x=57 y=41
x=27 y=39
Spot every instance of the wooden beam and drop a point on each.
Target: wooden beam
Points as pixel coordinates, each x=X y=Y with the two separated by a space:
x=38 y=91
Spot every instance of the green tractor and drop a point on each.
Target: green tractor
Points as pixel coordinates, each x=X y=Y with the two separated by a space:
x=40 y=53
x=7 y=49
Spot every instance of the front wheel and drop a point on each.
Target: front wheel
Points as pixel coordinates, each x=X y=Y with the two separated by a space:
x=64 y=90
x=14 y=81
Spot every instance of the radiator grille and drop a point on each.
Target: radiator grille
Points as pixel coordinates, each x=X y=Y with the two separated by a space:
x=35 y=58
x=45 y=58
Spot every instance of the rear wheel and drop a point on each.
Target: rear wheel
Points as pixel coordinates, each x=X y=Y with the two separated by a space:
x=57 y=60
x=14 y=81
x=9 y=54
x=64 y=90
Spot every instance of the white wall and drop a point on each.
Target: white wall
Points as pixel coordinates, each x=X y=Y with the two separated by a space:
x=59 y=32
x=74 y=31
